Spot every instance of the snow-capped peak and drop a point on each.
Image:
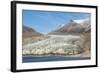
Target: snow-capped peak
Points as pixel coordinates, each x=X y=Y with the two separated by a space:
x=59 y=26
x=80 y=21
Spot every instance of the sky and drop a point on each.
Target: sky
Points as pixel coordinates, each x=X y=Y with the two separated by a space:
x=47 y=21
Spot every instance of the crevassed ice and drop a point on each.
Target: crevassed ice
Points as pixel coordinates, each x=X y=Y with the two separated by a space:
x=55 y=44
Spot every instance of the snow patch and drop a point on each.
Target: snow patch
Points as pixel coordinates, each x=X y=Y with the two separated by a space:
x=81 y=21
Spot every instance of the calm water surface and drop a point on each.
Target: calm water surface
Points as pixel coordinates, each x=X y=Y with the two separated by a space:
x=50 y=58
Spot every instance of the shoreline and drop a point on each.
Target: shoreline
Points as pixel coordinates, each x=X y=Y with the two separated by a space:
x=79 y=55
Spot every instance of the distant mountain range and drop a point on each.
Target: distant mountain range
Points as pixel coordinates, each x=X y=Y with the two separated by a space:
x=75 y=26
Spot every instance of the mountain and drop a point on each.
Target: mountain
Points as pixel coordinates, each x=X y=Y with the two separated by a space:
x=74 y=26
x=59 y=44
x=30 y=35
x=29 y=32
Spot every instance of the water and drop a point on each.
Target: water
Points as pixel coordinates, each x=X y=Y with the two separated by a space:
x=27 y=59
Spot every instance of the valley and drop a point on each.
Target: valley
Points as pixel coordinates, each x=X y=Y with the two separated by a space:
x=70 y=41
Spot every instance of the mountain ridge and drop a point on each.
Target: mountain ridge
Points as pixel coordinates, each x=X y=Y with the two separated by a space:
x=75 y=26
x=29 y=32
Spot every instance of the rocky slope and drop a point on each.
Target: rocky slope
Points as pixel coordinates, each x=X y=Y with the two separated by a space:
x=29 y=32
x=75 y=26
x=30 y=35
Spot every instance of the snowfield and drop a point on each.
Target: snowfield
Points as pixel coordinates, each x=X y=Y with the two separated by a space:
x=55 y=45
